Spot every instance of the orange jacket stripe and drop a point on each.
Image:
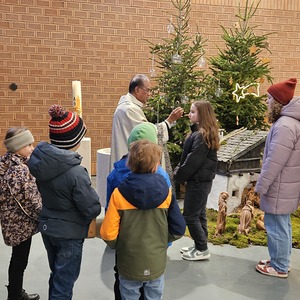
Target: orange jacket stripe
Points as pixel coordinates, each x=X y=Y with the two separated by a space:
x=110 y=227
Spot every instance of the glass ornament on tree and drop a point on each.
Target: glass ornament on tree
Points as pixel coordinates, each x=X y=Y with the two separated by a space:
x=176 y=58
x=202 y=62
x=152 y=69
x=170 y=27
x=184 y=99
x=218 y=91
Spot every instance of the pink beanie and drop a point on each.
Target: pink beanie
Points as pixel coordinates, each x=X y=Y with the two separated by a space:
x=283 y=92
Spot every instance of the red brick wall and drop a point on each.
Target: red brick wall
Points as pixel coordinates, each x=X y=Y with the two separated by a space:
x=47 y=44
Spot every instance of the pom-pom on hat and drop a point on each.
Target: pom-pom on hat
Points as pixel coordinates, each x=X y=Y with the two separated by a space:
x=283 y=92
x=143 y=131
x=66 y=129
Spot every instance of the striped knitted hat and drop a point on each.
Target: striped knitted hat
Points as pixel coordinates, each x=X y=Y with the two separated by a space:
x=66 y=129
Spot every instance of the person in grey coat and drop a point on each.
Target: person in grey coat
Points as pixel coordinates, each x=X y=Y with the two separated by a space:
x=279 y=180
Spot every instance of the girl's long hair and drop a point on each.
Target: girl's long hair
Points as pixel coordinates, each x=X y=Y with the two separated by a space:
x=208 y=124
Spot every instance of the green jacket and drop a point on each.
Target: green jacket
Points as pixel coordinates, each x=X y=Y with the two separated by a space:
x=141 y=219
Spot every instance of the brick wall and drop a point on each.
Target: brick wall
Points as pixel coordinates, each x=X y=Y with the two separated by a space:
x=47 y=44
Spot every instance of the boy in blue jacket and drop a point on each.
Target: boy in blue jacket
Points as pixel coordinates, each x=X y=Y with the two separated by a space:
x=142 y=217
x=141 y=131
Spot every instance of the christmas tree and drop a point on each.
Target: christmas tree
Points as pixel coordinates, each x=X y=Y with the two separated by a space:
x=178 y=78
x=237 y=73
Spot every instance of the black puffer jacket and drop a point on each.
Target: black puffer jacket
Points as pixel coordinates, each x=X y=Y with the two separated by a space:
x=198 y=162
x=69 y=201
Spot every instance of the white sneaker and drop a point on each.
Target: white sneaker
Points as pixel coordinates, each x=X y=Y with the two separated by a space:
x=186 y=249
x=196 y=255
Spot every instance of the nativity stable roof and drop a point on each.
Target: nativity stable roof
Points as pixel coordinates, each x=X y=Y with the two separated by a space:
x=241 y=151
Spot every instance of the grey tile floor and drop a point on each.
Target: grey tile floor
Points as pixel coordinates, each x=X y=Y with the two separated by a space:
x=229 y=274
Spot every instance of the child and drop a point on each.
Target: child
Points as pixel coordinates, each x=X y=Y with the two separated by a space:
x=20 y=206
x=141 y=131
x=142 y=217
x=69 y=201
x=197 y=168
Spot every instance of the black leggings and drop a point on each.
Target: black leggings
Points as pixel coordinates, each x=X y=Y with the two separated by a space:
x=17 y=266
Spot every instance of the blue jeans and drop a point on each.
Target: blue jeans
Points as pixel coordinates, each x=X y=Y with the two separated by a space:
x=279 y=232
x=194 y=211
x=64 y=257
x=153 y=289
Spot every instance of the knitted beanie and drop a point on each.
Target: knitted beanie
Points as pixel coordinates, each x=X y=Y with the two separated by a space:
x=18 y=141
x=66 y=129
x=283 y=92
x=143 y=131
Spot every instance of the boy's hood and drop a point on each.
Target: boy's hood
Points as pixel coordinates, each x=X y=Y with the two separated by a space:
x=47 y=161
x=144 y=191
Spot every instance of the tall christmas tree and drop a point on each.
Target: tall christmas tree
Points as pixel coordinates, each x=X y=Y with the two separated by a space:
x=238 y=72
x=176 y=72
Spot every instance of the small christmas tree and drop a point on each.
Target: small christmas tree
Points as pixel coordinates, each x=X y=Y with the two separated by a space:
x=179 y=80
x=237 y=73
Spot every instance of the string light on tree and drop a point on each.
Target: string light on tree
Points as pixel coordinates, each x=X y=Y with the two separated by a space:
x=238 y=93
x=241 y=92
x=253 y=89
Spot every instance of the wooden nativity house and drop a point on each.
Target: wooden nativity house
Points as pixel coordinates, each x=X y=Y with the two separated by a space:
x=239 y=162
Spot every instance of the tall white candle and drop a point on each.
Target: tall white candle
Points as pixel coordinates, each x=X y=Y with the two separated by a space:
x=76 y=96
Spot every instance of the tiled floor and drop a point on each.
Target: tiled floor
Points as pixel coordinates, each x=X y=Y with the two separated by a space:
x=229 y=274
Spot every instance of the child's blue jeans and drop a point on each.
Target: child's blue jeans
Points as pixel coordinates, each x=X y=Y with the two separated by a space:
x=130 y=289
x=64 y=257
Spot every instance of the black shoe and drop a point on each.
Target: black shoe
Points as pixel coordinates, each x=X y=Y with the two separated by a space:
x=25 y=296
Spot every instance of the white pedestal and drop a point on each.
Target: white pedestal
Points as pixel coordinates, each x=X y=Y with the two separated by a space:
x=103 y=167
x=85 y=151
